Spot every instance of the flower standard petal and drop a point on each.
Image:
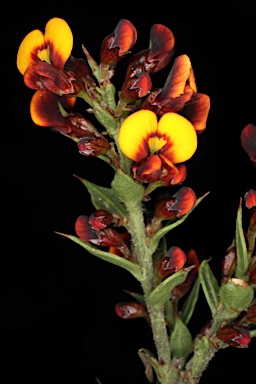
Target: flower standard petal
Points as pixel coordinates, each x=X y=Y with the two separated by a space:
x=45 y=110
x=198 y=112
x=59 y=37
x=135 y=132
x=27 y=52
x=161 y=46
x=180 y=135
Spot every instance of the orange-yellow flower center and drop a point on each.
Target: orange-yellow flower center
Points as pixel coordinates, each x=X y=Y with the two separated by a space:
x=156 y=143
x=44 y=55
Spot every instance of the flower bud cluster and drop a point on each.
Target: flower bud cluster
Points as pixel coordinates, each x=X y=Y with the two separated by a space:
x=96 y=229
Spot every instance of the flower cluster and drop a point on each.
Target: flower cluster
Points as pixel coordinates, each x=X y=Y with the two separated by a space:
x=146 y=135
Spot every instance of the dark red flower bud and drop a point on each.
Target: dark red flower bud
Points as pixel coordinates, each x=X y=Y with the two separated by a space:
x=109 y=237
x=235 y=336
x=181 y=289
x=250 y=198
x=157 y=56
x=136 y=87
x=171 y=262
x=82 y=74
x=93 y=145
x=100 y=219
x=130 y=310
x=251 y=314
x=84 y=230
x=248 y=141
x=177 y=205
x=80 y=126
x=117 y=44
x=126 y=237
x=45 y=76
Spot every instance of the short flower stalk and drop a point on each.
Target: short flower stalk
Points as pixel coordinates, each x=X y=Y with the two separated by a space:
x=146 y=136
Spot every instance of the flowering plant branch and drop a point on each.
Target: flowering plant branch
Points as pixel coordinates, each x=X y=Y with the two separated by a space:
x=146 y=135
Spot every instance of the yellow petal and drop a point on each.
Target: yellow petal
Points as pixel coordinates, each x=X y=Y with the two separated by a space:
x=135 y=132
x=59 y=37
x=181 y=137
x=27 y=52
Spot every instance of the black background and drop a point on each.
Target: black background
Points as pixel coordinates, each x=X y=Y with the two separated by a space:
x=56 y=301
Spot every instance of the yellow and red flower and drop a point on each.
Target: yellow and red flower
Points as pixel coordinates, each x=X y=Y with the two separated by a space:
x=156 y=146
x=41 y=58
x=179 y=94
x=157 y=56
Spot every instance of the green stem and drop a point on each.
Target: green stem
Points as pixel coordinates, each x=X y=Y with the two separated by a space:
x=197 y=365
x=136 y=228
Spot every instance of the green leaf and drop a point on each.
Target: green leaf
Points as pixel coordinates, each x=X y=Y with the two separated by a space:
x=161 y=249
x=105 y=118
x=162 y=292
x=126 y=188
x=104 y=198
x=163 y=231
x=134 y=269
x=169 y=313
x=241 y=249
x=190 y=303
x=110 y=91
x=253 y=333
x=150 y=362
x=210 y=285
x=181 y=340
x=236 y=294
x=138 y=296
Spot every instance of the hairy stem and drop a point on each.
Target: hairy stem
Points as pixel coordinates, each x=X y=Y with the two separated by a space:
x=136 y=228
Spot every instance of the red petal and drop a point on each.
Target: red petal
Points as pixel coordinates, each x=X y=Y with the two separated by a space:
x=185 y=200
x=250 y=199
x=198 y=112
x=45 y=111
x=235 y=336
x=130 y=310
x=177 y=258
x=176 y=81
x=248 y=141
x=83 y=229
x=125 y=36
x=151 y=169
x=100 y=219
x=161 y=45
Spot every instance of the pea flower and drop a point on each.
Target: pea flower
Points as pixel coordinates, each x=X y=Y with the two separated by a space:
x=41 y=58
x=60 y=118
x=154 y=144
x=180 y=94
x=96 y=229
x=157 y=56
